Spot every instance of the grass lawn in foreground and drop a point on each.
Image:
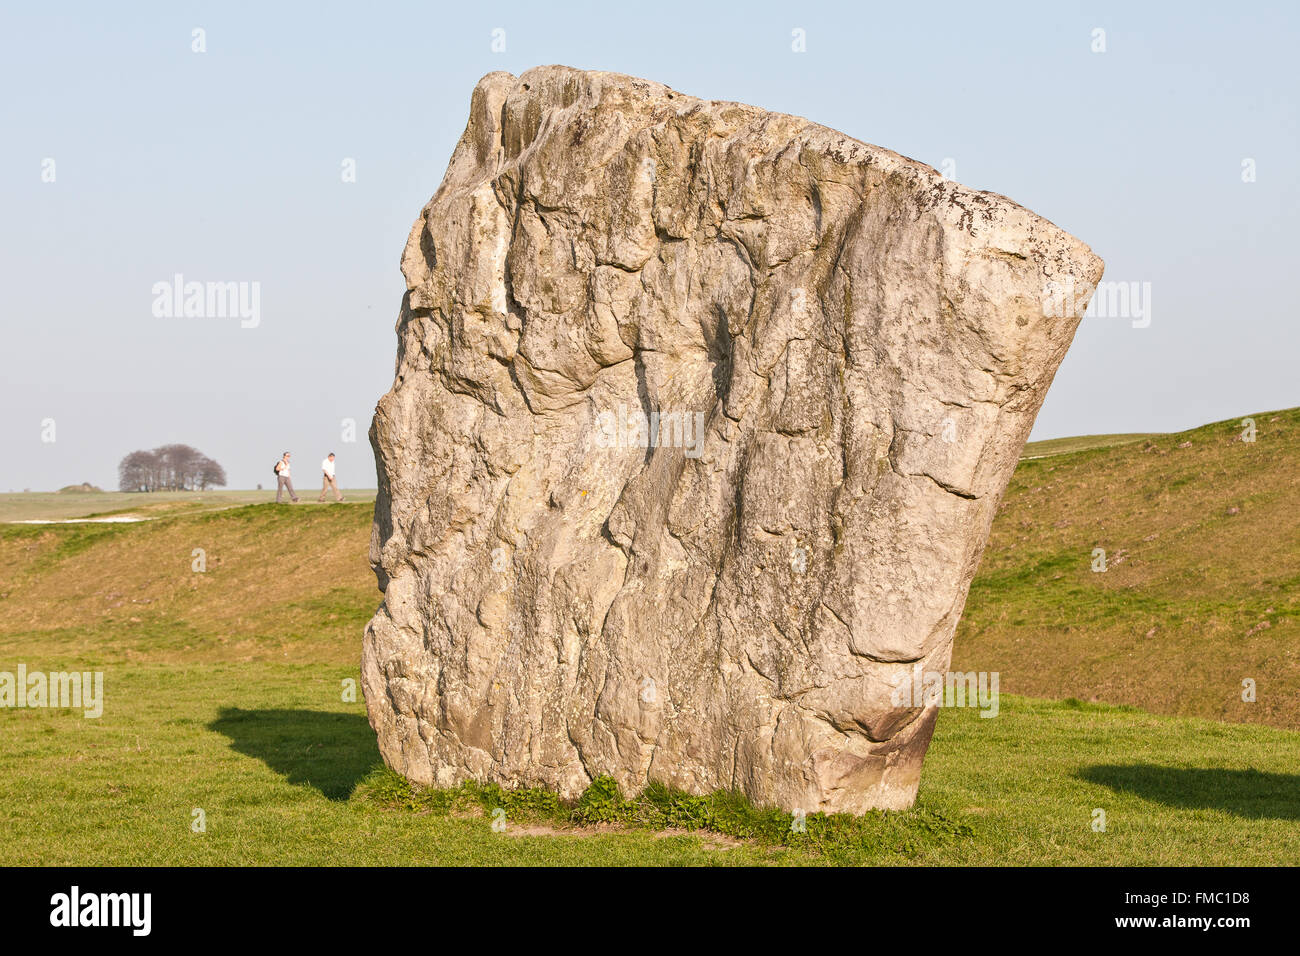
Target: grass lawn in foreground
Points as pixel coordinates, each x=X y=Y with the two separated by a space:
x=285 y=773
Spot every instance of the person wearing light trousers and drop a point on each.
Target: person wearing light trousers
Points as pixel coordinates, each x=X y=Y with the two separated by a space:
x=283 y=482
x=327 y=470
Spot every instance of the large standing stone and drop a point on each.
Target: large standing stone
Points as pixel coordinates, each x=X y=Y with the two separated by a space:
x=862 y=346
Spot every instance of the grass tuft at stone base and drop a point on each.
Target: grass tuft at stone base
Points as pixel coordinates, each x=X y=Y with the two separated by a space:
x=837 y=837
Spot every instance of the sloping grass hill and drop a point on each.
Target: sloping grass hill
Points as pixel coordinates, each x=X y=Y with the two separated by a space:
x=1201 y=588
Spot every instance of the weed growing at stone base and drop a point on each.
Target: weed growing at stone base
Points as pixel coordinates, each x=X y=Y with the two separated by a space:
x=837 y=837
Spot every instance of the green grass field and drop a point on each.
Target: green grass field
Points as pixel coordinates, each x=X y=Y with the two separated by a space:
x=224 y=691
x=284 y=773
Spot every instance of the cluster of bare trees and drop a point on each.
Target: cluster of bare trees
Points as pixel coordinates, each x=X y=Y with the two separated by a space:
x=169 y=468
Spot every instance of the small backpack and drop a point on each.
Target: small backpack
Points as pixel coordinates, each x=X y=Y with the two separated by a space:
x=276 y=469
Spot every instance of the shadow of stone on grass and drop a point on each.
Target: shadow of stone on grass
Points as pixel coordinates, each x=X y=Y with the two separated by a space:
x=1244 y=793
x=330 y=752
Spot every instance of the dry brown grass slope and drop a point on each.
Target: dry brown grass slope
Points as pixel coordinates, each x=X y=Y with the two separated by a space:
x=1202 y=589
x=280 y=583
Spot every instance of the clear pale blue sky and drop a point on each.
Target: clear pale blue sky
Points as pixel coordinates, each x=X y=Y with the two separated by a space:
x=225 y=165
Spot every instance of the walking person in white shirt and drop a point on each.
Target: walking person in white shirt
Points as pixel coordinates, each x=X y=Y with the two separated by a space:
x=282 y=480
x=327 y=469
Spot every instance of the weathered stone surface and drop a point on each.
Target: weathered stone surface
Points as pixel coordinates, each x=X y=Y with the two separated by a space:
x=865 y=346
